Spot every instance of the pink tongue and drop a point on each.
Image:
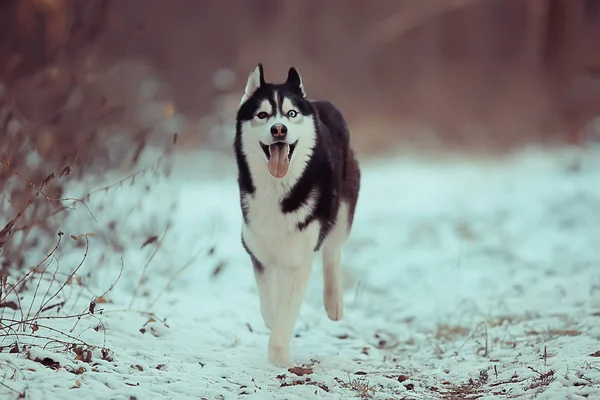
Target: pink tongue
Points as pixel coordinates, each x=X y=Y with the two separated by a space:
x=279 y=162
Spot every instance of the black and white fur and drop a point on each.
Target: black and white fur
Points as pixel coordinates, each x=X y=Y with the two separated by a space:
x=288 y=220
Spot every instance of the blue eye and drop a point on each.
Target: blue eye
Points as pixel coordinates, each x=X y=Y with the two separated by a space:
x=262 y=115
x=292 y=113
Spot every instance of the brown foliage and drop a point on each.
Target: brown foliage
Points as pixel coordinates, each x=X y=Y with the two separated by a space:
x=65 y=113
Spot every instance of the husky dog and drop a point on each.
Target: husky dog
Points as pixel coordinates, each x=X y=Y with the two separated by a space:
x=299 y=183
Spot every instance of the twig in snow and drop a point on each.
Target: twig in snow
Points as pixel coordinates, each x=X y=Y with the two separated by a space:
x=175 y=275
x=143 y=274
x=485 y=349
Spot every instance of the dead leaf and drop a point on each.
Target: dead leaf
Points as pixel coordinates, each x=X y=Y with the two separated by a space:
x=106 y=355
x=300 y=371
x=148 y=241
x=9 y=304
x=219 y=268
x=77 y=237
x=465 y=232
x=65 y=171
x=48 y=362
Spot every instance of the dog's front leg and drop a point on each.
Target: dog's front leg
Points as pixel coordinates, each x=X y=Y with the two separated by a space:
x=264 y=281
x=290 y=293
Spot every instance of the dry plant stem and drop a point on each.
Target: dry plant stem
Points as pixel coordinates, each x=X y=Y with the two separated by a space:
x=40 y=191
x=7 y=230
x=131 y=176
x=14 y=369
x=90 y=310
x=87 y=244
x=40 y=318
x=175 y=275
x=484 y=324
x=48 y=289
x=79 y=288
x=37 y=287
x=116 y=280
x=97 y=319
x=13 y=288
x=156 y=248
x=51 y=340
x=16 y=323
x=21 y=395
x=179 y=271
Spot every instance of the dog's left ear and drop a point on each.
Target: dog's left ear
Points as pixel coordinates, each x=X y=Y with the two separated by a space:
x=295 y=80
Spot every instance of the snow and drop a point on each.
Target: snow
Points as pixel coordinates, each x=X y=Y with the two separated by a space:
x=462 y=278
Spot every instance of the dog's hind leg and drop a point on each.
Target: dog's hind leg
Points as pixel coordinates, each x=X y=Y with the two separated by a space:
x=332 y=285
x=291 y=287
x=332 y=256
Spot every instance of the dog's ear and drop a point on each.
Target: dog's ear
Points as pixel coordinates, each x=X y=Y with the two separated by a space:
x=295 y=80
x=255 y=80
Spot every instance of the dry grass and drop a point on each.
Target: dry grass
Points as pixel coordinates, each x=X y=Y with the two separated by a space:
x=40 y=306
x=35 y=323
x=62 y=126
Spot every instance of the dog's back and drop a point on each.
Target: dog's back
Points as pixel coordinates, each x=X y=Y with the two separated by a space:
x=345 y=163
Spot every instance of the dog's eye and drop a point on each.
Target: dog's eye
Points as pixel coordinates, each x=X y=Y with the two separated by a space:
x=292 y=113
x=262 y=115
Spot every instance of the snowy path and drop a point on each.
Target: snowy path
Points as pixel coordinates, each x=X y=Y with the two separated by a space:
x=462 y=280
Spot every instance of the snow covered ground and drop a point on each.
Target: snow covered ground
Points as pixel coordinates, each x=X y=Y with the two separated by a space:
x=463 y=280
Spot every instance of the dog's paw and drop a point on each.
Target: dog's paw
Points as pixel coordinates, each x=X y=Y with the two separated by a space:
x=279 y=356
x=334 y=305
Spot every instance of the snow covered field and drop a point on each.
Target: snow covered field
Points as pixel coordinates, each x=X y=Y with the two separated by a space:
x=463 y=280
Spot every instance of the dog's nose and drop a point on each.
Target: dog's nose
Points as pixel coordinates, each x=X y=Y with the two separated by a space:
x=279 y=131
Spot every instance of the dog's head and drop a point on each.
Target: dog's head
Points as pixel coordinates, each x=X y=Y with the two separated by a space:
x=276 y=124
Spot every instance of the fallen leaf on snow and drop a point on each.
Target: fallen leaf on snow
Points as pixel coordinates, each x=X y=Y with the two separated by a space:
x=300 y=371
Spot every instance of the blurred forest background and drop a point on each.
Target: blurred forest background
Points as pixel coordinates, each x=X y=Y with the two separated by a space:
x=85 y=85
x=475 y=74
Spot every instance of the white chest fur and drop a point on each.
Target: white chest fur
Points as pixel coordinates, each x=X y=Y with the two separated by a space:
x=272 y=236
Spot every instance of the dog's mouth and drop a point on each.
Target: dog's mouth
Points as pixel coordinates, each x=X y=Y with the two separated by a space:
x=279 y=155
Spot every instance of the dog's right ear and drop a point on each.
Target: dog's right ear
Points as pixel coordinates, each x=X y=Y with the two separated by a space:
x=255 y=80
